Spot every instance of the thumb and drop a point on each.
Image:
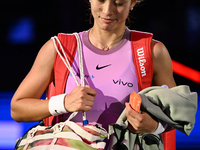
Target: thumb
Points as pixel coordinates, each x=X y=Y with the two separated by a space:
x=88 y=86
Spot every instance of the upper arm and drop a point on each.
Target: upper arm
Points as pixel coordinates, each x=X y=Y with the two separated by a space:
x=40 y=75
x=162 y=65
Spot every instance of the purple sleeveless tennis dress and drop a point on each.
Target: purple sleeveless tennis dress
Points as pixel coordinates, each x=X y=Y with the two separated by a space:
x=111 y=73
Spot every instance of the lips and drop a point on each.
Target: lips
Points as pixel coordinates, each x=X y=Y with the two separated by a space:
x=107 y=20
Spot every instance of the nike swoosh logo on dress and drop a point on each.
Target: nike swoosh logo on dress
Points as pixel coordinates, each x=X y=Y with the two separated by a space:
x=98 y=68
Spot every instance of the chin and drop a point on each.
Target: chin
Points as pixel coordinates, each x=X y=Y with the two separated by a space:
x=107 y=27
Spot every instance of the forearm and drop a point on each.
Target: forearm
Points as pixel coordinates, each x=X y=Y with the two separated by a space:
x=29 y=110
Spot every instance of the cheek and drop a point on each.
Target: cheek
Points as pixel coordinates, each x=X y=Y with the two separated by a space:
x=94 y=11
x=123 y=15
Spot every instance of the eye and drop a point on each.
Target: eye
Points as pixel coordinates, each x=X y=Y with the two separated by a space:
x=119 y=4
x=101 y=1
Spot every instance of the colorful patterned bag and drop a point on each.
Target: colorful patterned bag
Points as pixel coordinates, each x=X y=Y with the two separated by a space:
x=63 y=136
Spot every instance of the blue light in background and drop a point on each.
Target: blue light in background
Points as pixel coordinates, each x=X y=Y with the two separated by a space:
x=193 y=26
x=193 y=140
x=22 y=31
x=10 y=132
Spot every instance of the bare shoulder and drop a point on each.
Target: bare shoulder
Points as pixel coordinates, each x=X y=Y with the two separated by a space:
x=40 y=75
x=160 y=55
x=162 y=65
x=48 y=51
x=44 y=61
x=159 y=50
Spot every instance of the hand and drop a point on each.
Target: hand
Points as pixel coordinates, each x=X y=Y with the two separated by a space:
x=140 y=123
x=80 y=99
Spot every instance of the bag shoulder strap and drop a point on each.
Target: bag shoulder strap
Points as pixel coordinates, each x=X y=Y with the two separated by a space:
x=141 y=50
x=61 y=72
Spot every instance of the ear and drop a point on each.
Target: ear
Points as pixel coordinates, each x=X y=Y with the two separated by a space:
x=133 y=3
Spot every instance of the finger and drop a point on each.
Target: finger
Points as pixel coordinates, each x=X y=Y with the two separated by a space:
x=131 y=112
x=88 y=86
x=87 y=100
x=133 y=116
x=86 y=105
x=89 y=103
x=90 y=98
x=133 y=128
x=84 y=91
x=90 y=91
x=133 y=121
x=86 y=108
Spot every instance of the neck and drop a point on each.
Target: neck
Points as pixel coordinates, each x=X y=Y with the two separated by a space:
x=104 y=39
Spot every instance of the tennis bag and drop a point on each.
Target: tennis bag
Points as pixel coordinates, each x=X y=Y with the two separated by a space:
x=66 y=135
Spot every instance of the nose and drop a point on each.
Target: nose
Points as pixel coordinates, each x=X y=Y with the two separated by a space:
x=108 y=8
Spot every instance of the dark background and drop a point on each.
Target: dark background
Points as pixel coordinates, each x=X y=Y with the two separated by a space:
x=26 y=25
x=175 y=23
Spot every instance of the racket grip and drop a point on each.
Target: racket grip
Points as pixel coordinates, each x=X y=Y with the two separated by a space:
x=135 y=101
